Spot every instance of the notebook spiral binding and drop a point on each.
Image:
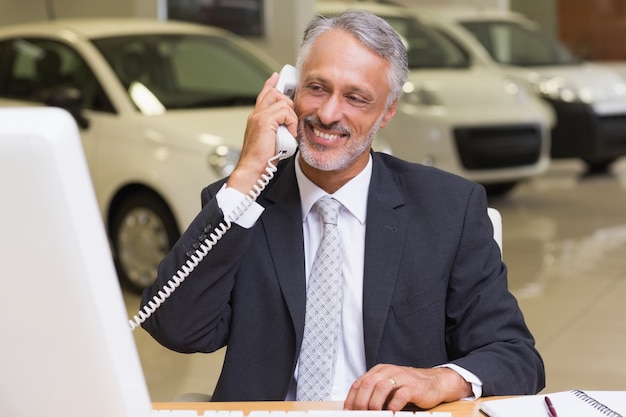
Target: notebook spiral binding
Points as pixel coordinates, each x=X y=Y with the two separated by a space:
x=605 y=410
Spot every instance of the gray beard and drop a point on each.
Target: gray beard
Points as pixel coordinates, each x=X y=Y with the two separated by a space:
x=312 y=153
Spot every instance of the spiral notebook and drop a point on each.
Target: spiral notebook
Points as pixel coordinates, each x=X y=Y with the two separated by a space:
x=575 y=403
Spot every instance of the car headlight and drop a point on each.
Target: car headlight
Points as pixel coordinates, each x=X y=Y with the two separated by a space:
x=223 y=160
x=560 y=89
x=418 y=95
x=518 y=91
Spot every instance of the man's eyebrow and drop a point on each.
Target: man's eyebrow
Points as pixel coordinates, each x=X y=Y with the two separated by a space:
x=352 y=88
x=315 y=78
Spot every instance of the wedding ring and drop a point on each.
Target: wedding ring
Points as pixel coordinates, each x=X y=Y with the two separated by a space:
x=393 y=382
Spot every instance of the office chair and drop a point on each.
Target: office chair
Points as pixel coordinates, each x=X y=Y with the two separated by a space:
x=496 y=220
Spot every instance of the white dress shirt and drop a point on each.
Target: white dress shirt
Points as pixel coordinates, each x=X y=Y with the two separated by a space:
x=351 y=223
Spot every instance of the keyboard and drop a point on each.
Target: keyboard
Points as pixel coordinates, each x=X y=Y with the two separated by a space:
x=295 y=413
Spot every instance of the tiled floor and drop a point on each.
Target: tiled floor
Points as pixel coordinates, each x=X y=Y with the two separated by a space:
x=565 y=246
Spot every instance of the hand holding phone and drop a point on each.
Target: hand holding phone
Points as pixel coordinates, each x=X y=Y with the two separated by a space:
x=286 y=146
x=286 y=84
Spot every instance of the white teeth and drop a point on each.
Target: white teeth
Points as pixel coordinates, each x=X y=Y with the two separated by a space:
x=325 y=135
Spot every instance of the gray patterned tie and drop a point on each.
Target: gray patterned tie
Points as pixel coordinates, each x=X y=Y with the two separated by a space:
x=323 y=311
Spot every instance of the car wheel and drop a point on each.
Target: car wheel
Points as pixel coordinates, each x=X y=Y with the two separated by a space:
x=599 y=165
x=143 y=231
x=499 y=189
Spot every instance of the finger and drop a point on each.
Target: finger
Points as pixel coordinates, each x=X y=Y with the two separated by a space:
x=360 y=393
x=348 y=404
x=275 y=109
x=272 y=109
x=383 y=390
x=268 y=87
x=370 y=392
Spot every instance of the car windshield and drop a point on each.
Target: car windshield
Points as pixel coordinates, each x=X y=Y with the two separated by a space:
x=512 y=43
x=184 y=71
x=425 y=47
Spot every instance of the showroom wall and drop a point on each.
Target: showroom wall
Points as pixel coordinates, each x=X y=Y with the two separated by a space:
x=594 y=30
x=284 y=19
x=19 y=11
x=543 y=12
x=499 y=4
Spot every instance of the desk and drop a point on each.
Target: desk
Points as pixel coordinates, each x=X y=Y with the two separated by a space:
x=457 y=408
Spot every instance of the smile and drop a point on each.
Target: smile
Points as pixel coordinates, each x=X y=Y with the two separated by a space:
x=327 y=136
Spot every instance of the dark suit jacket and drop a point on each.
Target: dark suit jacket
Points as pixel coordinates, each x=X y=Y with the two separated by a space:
x=435 y=289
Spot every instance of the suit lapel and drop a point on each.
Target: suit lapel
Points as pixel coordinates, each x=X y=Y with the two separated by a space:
x=385 y=235
x=282 y=224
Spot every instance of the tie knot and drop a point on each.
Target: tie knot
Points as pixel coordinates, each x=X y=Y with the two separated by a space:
x=328 y=208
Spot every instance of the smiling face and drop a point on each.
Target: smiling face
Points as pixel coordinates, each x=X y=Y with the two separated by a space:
x=340 y=103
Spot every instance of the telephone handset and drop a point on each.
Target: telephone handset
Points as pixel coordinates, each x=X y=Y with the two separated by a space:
x=285 y=147
x=287 y=82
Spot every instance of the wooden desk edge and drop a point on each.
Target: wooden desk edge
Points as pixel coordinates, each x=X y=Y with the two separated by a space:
x=457 y=408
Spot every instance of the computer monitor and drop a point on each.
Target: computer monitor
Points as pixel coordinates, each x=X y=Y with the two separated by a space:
x=67 y=349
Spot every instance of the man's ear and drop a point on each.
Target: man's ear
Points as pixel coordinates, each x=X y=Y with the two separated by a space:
x=391 y=110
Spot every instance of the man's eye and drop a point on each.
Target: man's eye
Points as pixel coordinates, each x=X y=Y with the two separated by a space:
x=356 y=100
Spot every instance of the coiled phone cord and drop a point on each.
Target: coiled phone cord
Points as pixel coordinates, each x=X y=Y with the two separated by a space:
x=183 y=272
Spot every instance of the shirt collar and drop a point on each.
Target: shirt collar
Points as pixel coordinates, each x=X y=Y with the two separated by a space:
x=353 y=195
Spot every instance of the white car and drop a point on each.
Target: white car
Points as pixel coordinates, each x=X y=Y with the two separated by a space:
x=589 y=100
x=162 y=109
x=456 y=113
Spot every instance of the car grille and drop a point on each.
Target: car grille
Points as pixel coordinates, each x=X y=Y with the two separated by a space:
x=581 y=133
x=498 y=147
x=613 y=129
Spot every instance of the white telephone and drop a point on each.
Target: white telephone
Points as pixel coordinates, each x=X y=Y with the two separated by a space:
x=285 y=147
x=287 y=82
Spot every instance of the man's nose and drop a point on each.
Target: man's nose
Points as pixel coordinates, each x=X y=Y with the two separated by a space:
x=330 y=110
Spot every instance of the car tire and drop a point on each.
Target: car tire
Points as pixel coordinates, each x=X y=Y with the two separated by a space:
x=142 y=232
x=598 y=166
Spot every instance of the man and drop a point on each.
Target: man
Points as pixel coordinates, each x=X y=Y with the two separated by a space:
x=426 y=316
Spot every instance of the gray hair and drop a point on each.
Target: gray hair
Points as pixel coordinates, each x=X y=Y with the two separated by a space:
x=373 y=32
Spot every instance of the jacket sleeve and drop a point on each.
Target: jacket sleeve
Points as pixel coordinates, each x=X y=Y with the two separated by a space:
x=485 y=329
x=190 y=320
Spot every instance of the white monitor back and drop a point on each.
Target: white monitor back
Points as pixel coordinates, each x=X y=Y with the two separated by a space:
x=67 y=349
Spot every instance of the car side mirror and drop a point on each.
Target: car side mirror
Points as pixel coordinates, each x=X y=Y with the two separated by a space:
x=68 y=98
